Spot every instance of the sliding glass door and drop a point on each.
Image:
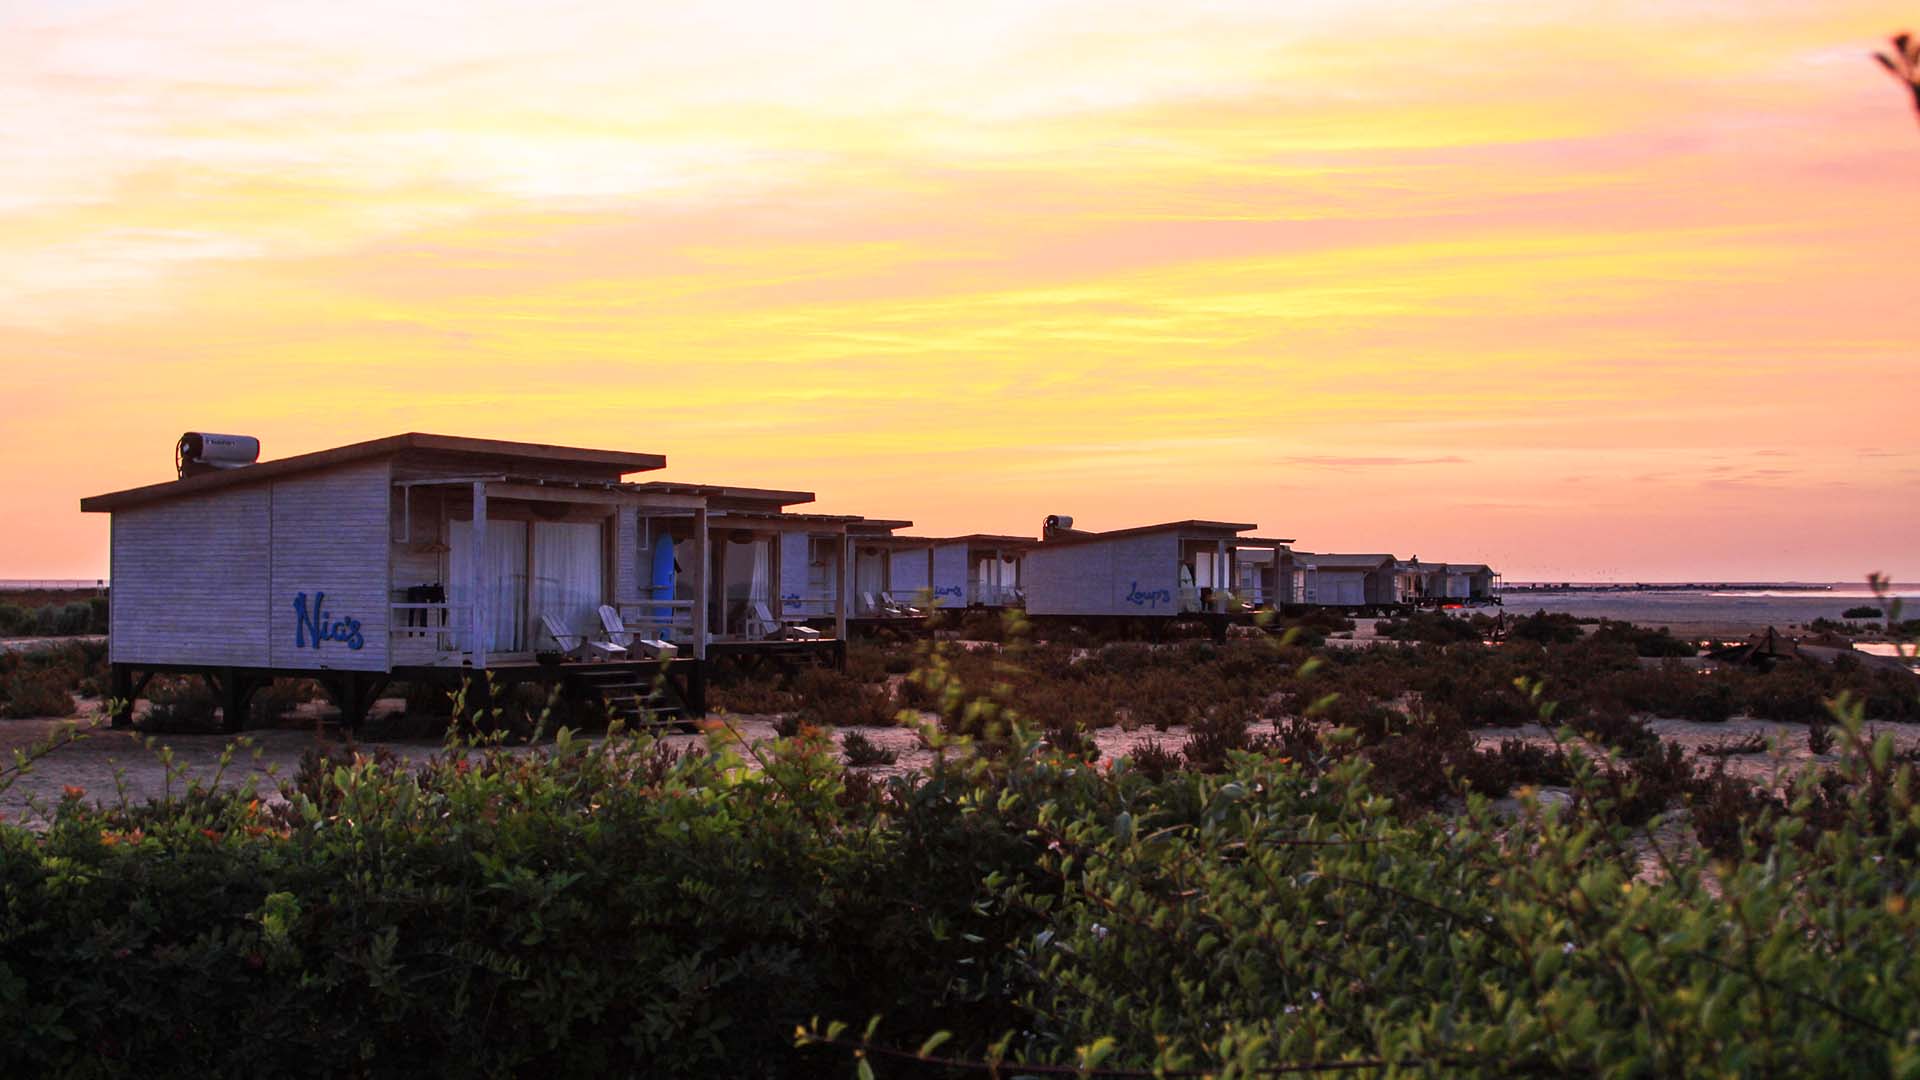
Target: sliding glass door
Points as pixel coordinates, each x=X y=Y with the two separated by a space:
x=505 y=563
x=569 y=576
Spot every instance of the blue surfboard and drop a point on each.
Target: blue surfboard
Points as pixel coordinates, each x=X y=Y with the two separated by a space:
x=663 y=579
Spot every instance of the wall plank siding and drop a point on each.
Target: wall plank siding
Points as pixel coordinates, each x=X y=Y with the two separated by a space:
x=908 y=574
x=191 y=580
x=626 y=555
x=950 y=575
x=1130 y=575
x=795 y=557
x=331 y=536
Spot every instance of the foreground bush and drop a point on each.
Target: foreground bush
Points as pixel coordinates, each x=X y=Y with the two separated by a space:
x=619 y=908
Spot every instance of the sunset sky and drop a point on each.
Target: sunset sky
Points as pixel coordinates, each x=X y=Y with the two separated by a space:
x=1622 y=291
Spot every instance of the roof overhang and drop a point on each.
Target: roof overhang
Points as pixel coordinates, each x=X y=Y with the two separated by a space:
x=466 y=455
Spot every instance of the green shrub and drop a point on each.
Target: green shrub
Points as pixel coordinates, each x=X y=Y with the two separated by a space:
x=180 y=703
x=1862 y=612
x=862 y=751
x=1544 y=628
x=622 y=909
x=277 y=700
x=27 y=692
x=1428 y=626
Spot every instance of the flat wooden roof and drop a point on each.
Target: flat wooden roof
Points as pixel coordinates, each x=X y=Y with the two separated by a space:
x=1224 y=530
x=615 y=462
x=780 y=516
x=767 y=496
x=1346 y=562
x=984 y=539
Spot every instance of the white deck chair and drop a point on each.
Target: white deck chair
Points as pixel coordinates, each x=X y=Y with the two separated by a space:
x=900 y=608
x=572 y=643
x=618 y=634
x=783 y=628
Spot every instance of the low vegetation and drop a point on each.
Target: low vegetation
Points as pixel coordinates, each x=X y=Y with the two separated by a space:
x=618 y=907
x=63 y=618
x=1321 y=861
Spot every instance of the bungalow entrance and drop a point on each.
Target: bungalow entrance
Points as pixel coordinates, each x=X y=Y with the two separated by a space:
x=532 y=568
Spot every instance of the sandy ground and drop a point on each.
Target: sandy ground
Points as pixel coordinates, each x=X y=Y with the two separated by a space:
x=107 y=762
x=35 y=644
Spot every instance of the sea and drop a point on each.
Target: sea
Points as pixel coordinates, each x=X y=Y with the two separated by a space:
x=1703 y=609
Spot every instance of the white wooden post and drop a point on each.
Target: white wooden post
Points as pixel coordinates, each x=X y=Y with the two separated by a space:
x=701 y=631
x=776 y=576
x=1220 y=578
x=847 y=561
x=840 y=593
x=477 y=613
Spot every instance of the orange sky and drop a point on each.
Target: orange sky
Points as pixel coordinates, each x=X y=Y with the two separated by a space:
x=1628 y=295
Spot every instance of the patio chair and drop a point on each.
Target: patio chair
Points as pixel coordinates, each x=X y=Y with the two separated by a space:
x=618 y=634
x=573 y=643
x=786 y=628
x=900 y=608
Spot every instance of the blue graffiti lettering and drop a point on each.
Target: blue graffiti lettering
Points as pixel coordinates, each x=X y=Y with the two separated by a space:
x=948 y=590
x=1149 y=600
x=318 y=625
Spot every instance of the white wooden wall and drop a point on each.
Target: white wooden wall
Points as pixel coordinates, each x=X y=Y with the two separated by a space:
x=1130 y=575
x=191 y=580
x=627 y=570
x=330 y=536
x=794 y=558
x=212 y=579
x=907 y=573
x=950 y=575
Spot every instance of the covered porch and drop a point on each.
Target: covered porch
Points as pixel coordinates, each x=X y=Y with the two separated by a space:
x=500 y=571
x=775 y=578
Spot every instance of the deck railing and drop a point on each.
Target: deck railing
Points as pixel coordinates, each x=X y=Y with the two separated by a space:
x=443 y=625
x=807 y=605
x=670 y=620
x=985 y=595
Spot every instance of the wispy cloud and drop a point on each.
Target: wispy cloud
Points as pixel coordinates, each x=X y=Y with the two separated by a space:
x=1230 y=260
x=1337 y=462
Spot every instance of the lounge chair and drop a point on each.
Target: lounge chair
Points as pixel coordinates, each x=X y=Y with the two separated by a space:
x=618 y=634
x=899 y=608
x=573 y=643
x=785 y=628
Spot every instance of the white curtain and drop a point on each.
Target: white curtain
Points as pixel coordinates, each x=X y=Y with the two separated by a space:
x=762 y=570
x=569 y=576
x=506 y=571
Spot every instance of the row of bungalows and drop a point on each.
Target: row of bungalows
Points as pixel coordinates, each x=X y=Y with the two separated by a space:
x=1215 y=572
x=433 y=558
x=895 y=572
x=1154 y=572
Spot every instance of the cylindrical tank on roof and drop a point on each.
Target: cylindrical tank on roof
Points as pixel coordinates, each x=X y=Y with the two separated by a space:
x=200 y=452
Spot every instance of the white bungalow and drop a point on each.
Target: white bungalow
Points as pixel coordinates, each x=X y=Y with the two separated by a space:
x=1349 y=581
x=419 y=557
x=1152 y=571
x=1464 y=583
x=773 y=569
x=1265 y=574
x=979 y=570
x=891 y=573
